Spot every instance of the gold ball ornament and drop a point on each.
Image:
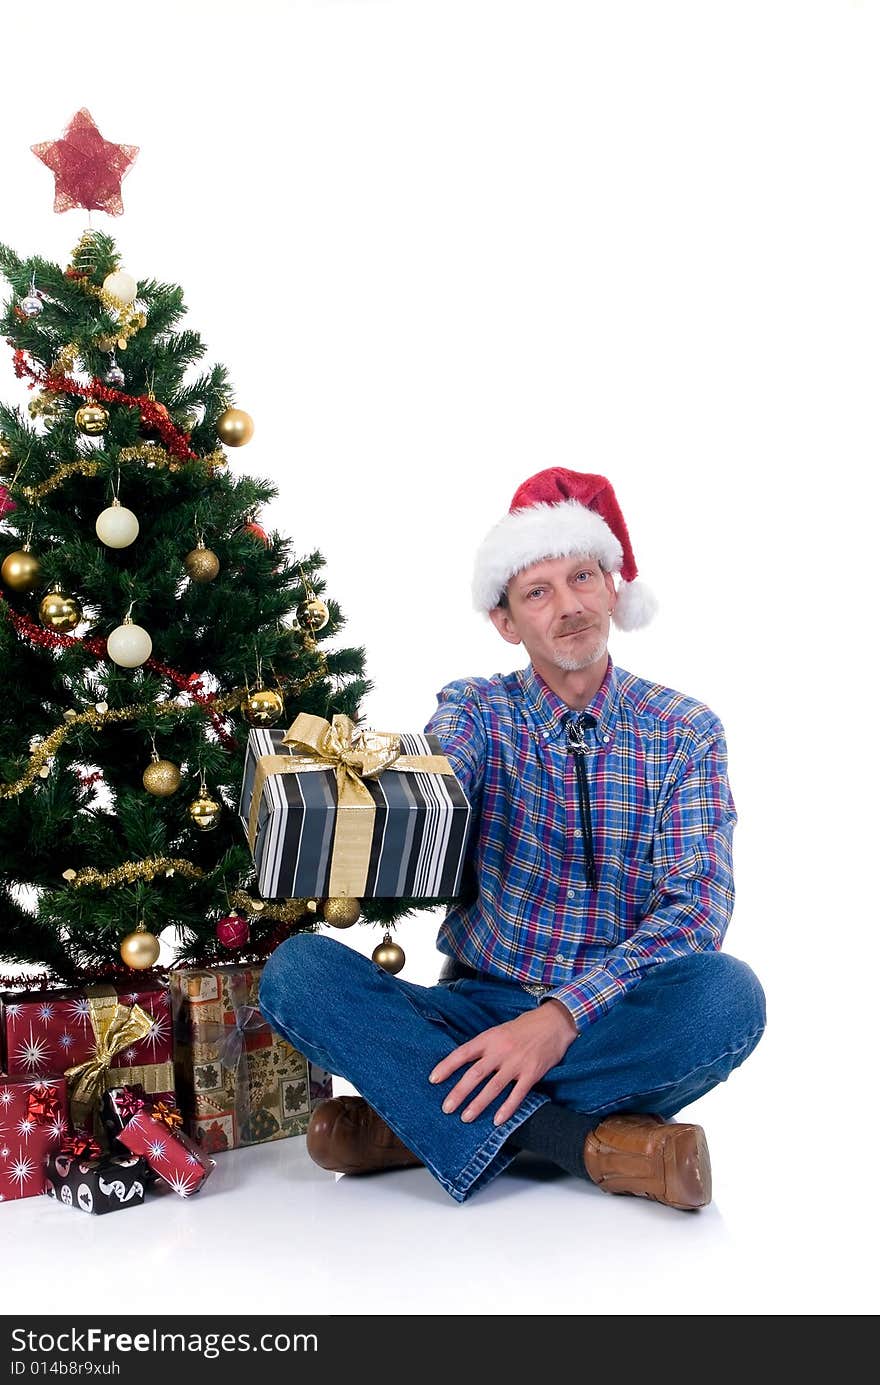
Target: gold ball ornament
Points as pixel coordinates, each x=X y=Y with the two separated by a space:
x=312 y=614
x=342 y=912
x=20 y=570
x=5 y=457
x=389 y=956
x=202 y=564
x=205 y=812
x=235 y=427
x=92 y=419
x=262 y=707
x=161 y=777
x=60 y=612
x=139 y=949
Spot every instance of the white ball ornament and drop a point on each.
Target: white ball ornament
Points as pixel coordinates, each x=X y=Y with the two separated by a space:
x=116 y=526
x=129 y=645
x=121 y=285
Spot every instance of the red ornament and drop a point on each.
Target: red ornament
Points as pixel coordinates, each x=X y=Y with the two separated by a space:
x=233 y=931
x=258 y=532
x=88 y=168
x=7 y=504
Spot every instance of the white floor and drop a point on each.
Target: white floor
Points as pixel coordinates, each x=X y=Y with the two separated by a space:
x=271 y=1232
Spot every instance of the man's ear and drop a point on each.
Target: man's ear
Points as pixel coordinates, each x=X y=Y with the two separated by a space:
x=609 y=587
x=500 y=618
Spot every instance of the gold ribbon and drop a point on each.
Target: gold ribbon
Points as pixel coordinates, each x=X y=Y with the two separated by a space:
x=355 y=755
x=116 y=1027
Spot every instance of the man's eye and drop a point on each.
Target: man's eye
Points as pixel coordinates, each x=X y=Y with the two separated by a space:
x=536 y=591
x=586 y=573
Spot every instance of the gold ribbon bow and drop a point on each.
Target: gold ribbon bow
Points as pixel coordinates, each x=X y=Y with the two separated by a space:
x=355 y=755
x=116 y=1027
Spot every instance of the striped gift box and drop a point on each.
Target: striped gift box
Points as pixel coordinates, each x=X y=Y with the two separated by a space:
x=419 y=836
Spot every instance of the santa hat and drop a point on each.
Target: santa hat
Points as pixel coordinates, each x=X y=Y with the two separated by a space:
x=558 y=514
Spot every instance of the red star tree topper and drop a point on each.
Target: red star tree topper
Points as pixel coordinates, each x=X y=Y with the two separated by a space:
x=88 y=169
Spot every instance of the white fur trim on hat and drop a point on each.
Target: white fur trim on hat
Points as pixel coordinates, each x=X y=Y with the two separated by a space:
x=636 y=605
x=523 y=537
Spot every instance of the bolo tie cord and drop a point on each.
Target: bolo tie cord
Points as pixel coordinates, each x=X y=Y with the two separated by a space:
x=575 y=729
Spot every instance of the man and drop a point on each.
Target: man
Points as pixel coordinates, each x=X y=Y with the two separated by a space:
x=584 y=999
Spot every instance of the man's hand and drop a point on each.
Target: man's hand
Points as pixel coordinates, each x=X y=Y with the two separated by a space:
x=519 y=1051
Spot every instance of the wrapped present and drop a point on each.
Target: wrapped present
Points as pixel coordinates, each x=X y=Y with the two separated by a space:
x=80 y=1174
x=336 y=810
x=239 y=1082
x=170 y=1153
x=33 y=1123
x=98 y=1037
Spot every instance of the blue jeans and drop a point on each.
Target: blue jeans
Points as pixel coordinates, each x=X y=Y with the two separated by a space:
x=672 y=1038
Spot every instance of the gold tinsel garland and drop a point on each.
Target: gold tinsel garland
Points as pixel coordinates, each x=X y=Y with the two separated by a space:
x=289 y=911
x=143 y=452
x=97 y=719
x=135 y=870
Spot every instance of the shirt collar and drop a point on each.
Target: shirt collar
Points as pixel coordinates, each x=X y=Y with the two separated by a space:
x=549 y=712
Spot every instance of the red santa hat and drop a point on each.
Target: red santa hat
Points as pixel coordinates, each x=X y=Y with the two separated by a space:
x=559 y=514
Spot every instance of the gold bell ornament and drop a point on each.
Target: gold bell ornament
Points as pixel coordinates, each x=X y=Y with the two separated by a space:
x=21 y=570
x=205 y=811
x=139 y=949
x=389 y=956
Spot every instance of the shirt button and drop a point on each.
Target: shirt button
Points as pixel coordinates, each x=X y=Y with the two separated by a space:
x=571 y=895
x=606 y=739
x=562 y=959
x=546 y=734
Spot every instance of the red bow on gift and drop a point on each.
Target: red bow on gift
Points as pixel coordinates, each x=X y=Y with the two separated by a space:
x=43 y=1104
x=79 y=1144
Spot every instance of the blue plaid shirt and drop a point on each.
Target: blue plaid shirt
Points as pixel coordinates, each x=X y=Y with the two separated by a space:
x=662 y=815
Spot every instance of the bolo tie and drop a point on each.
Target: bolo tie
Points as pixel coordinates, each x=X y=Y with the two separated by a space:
x=576 y=728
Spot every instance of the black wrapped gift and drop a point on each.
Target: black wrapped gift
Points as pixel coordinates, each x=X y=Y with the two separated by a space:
x=100 y=1185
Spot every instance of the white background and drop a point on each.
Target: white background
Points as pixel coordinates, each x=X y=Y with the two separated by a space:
x=441 y=244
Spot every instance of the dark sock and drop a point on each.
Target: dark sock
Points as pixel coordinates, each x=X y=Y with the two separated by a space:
x=557 y=1134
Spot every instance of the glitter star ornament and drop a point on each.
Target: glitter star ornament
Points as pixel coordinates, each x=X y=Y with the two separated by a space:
x=88 y=169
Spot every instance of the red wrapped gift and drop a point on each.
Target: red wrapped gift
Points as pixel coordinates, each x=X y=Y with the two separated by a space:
x=101 y=1036
x=172 y=1155
x=33 y=1123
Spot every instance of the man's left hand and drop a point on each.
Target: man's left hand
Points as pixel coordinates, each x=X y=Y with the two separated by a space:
x=519 y=1051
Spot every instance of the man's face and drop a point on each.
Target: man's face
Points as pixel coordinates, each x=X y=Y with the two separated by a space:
x=560 y=609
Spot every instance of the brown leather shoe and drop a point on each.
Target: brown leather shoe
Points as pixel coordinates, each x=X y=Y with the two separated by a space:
x=346 y=1136
x=649 y=1157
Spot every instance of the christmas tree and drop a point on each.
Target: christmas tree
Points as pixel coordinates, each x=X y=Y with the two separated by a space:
x=147 y=622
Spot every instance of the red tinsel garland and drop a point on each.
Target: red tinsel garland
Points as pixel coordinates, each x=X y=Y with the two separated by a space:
x=191 y=682
x=152 y=413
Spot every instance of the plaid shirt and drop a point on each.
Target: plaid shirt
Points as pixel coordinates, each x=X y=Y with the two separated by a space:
x=663 y=819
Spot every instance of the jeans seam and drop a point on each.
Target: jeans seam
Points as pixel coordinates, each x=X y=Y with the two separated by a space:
x=654 y=1091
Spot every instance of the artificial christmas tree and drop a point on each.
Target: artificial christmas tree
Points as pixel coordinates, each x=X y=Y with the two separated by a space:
x=147 y=622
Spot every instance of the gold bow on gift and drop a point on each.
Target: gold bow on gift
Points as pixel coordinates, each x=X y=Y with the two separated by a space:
x=355 y=755
x=116 y=1027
